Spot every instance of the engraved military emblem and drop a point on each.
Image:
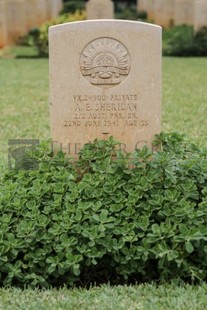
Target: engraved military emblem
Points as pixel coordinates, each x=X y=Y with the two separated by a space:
x=105 y=62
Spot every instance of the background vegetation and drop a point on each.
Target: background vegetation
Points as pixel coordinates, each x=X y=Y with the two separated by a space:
x=183 y=41
x=124 y=7
x=177 y=41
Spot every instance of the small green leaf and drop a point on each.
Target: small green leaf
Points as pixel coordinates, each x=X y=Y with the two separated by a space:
x=189 y=247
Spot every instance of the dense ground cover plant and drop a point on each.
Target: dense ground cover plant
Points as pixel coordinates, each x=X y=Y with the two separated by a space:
x=183 y=41
x=100 y=220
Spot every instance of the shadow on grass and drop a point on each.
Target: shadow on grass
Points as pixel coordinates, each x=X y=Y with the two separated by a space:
x=21 y=52
x=30 y=57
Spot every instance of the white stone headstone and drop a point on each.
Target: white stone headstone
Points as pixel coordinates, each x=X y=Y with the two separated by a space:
x=16 y=19
x=150 y=9
x=141 y=5
x=60 y=5
x=42 y=14
x=200 y=16
x=184 y=12
x=164 y=12
x=100 y=9
x=105 y=80
x=31 y=12
x=3 y=25
x=54 y=8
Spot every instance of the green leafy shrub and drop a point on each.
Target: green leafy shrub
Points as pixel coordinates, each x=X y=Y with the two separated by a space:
x=73 y=5
x=183 y=41
x=98 y=220
x=129 y=14
x=128 y=10
x=39 y=36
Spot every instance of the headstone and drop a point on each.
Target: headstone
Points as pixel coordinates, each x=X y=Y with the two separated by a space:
x=60 y=6
x=164 y=12
x=150 y=10
x=50 y=10
x=184 y=12
x=169 y=9
x=31 y=13
x=41 y=7
x=141 y=5
x=148 y=7
x=200 y=16
x=100 y=9
x=54 y=7
x=3 y=25
x=16 y=19
x=105 y=80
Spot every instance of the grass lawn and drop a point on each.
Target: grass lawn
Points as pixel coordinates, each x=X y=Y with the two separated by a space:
x=24 y=113
x=146 y=297
x=23 y=100
x=184 y=105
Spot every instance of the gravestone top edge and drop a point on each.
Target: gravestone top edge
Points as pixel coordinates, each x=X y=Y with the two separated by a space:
x=106 y=21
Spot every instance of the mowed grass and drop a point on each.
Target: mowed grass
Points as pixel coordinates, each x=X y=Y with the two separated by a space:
x=184 y=106
x=146 y=297
x=24 y=107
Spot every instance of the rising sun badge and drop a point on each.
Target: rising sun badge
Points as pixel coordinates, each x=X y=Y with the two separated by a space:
x=105 y=62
